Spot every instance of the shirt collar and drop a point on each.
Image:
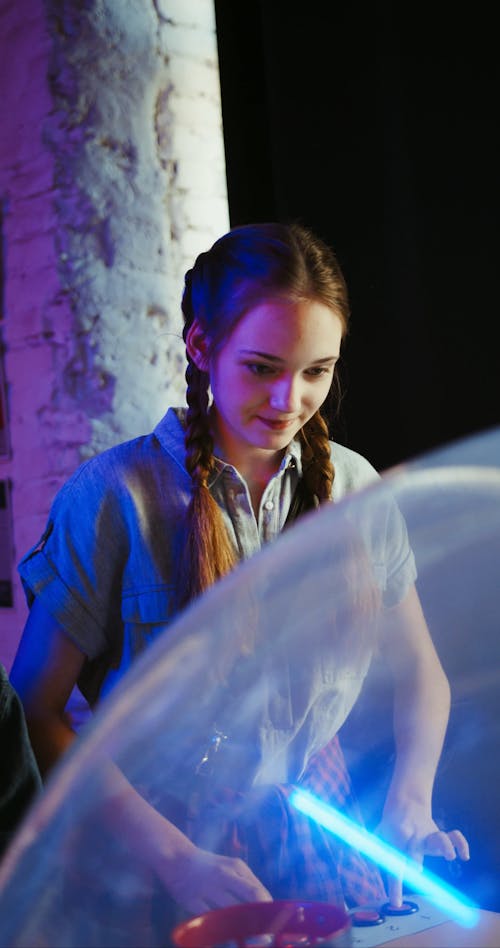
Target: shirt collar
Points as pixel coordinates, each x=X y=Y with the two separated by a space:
x=170 y=434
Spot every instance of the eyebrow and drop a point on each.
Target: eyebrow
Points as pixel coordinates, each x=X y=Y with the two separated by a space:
x=273 y=358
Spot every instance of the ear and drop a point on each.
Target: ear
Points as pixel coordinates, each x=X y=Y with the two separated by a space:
x=197 y=346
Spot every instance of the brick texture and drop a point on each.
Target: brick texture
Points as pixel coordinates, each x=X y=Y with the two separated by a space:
x=112 y=179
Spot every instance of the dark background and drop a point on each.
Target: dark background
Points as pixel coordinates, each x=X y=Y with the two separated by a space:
x=376 y=125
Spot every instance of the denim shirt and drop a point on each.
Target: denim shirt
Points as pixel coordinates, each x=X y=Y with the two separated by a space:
x=105 y=565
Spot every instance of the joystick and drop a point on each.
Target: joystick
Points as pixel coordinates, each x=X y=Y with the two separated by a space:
x=406 y=908
x=375 y=924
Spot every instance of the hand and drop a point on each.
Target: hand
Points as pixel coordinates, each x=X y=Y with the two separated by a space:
x=198 y=880
x=201 y=880
x=411 y=829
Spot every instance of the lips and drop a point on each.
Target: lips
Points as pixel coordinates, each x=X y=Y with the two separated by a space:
x=277 y=424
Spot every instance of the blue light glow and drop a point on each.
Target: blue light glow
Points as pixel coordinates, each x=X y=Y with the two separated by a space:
x=449 y=900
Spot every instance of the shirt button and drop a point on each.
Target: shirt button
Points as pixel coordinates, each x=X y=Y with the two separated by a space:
x=269 y=505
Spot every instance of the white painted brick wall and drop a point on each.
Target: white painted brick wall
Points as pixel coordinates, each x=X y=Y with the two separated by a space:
x=112 y=177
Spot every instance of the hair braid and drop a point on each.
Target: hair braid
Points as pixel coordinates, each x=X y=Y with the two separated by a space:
x=198 y=439
x=317 y=466
x=208 y=552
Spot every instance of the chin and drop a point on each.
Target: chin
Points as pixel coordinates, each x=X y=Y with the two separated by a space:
x=276 y=441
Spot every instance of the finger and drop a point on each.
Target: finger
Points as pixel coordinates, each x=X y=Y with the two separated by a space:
x=460 y=843
x=415 y=853
x=395 y=890
x=245 y=884
x=197 y=906
x=435 y=844
x=242 y=884
x=247 y=890
x=222 y=900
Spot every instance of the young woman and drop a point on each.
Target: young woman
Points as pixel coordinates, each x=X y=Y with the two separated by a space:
x=142 y=529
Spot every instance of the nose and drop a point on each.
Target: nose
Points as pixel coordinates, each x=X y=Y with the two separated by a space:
x=285 y=394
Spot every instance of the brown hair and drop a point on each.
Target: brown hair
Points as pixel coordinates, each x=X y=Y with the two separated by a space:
x=247 y=266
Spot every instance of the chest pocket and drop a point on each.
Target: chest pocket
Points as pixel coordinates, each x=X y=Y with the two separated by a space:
x=146 y=613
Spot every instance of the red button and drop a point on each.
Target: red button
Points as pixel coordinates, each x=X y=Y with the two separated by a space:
x=365 y=917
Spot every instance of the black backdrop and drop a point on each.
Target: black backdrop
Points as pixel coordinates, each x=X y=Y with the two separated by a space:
x=376 y=125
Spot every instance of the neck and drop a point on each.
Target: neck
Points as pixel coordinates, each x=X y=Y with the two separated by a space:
x=256 y=467
x=257 y=482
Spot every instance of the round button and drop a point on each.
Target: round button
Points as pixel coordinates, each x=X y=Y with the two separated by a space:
x=269 y=505
x=406 y=908
x=363 y=918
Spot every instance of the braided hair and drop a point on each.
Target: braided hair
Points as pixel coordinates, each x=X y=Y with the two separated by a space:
x=250 y=264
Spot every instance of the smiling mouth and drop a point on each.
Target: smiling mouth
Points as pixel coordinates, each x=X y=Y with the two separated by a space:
x=277 y=424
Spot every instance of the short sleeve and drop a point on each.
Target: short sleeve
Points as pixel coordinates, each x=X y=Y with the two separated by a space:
x=401 y=570
x=76 y=566
x=378 y=518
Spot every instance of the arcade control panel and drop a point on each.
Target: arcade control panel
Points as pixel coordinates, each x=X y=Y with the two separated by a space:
x=374 y=925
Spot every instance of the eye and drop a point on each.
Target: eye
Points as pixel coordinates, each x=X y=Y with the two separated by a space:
x=260 y=368
x=316 y=371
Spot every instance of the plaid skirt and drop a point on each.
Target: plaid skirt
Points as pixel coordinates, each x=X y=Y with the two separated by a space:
x=292 y=855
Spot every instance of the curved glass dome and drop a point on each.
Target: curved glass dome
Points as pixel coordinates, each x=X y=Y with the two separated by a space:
x=253 y=679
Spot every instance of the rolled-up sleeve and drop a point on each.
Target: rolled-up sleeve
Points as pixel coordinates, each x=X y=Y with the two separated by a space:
x=75 y=569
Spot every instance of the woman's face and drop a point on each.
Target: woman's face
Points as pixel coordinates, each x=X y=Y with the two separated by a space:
x=271 y=375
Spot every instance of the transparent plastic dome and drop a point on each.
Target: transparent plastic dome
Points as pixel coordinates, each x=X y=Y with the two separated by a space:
x=223 y=700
